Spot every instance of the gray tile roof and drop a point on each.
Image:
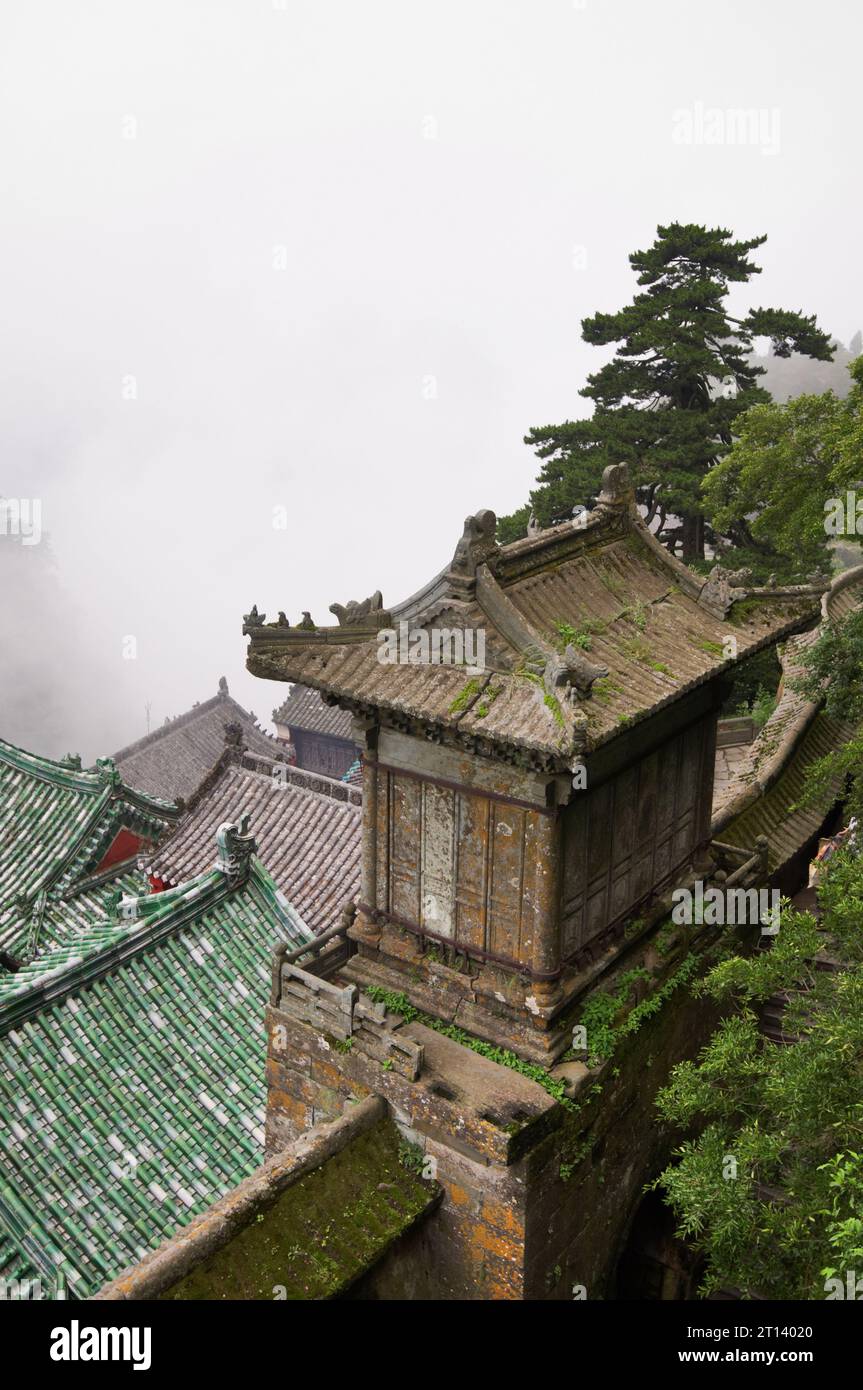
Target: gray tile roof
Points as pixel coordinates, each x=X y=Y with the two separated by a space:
x=307 y=829
x=172 y=761
x=304 y=709
x=766 y=794
x=587 y=629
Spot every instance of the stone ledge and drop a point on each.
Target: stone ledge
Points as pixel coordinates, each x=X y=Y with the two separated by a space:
x=496 y=1111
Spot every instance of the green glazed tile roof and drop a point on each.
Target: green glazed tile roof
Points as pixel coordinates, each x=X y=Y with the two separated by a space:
x=63 y=918
x=132 y=1075
x=57 y=822
x=13 y=1267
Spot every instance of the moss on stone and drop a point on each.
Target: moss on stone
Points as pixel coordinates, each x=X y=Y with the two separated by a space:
x=552 y=703
x=467 y=693
x=323 y=1232
x=744 y=609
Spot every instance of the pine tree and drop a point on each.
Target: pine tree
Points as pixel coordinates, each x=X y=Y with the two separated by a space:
x=667 y=401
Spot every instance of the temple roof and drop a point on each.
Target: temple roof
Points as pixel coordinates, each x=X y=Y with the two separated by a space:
x=307 y=827
x=305 y=710
x=132 y=1089
x=766 y=796
x=173 y=760
x=588 y=627
x=57 y=823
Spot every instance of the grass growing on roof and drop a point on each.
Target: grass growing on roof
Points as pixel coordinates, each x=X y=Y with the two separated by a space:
x=580 y=636
x=552 y=703
x=600 y=1011
x=639 y=650
x=398 y=1003
x=603 y=689
x=489 y=696
x=465 y=695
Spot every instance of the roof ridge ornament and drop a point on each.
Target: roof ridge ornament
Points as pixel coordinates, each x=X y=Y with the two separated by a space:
x=108 y=771
x=236 y=845
x=253 y=619
x=617 y=489
x=572 y=675
x=353 y=614
x=722 y=589
x=478 y=546
x=234 y=735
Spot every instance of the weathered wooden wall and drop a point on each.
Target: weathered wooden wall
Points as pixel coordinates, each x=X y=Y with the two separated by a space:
x=451 y=856
x=630 y=834
x=319 y=753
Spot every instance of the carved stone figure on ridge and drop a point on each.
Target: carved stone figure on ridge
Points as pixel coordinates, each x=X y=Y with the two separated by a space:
x=352 y=613
x=236 y=846
x=253 y=619
x=572 y=675
x=477 y=544
x=720 y=592
x=616 y=483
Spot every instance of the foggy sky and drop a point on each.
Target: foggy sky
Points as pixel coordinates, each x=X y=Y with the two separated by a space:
x=344 y=250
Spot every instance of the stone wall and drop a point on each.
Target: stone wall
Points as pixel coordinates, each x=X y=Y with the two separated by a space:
x=538 y=1196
